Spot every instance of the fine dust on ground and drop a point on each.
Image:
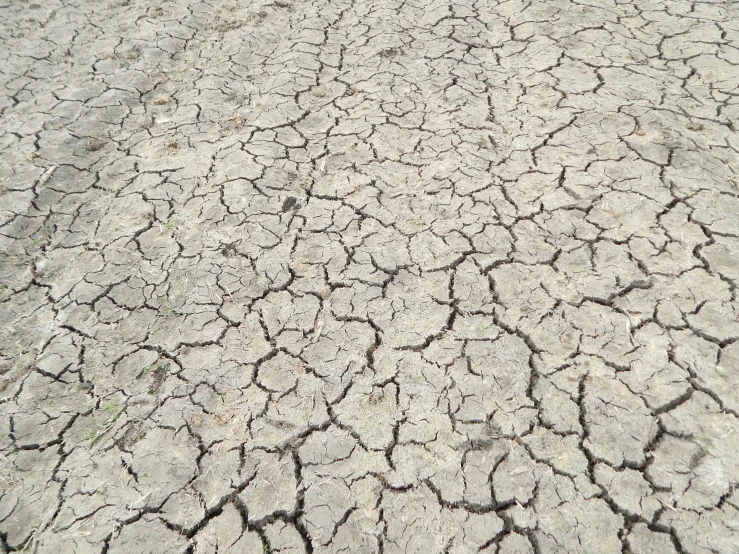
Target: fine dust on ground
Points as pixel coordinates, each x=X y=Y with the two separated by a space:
x=369 y=276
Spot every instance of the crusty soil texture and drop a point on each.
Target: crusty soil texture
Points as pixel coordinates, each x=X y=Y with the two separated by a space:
x=369 y=276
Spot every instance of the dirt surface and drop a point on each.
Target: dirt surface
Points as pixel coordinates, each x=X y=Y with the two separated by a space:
x=396 y=277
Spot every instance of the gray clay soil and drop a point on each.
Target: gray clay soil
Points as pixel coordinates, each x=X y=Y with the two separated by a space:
x=369 y=276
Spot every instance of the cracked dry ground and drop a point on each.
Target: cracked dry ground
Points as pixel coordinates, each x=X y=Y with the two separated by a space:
x=369 y=277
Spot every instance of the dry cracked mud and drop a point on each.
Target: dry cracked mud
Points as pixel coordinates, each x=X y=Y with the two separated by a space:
x=382 y=276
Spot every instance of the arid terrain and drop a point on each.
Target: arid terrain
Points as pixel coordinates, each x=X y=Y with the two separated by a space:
x=373 y=276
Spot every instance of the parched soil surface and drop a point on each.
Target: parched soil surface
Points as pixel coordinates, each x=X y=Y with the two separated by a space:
x=370 y=276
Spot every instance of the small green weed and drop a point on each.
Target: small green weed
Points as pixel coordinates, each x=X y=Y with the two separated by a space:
x=114 y=411
x=109 y=407
x=41 y=237
x=156 y=366
x=168 y=309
